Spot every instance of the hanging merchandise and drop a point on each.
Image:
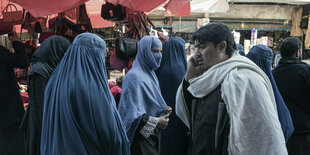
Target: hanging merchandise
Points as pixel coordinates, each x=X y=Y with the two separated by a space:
x=116 y=62
x=307 y=39
x=14 y=16
x=305 y=16
x=38 y=28
x=113 y=12
x=5 y=28
x=127 y=48
x=34 y=25
x=296 y=20
x=83 y=20
x=10 y=18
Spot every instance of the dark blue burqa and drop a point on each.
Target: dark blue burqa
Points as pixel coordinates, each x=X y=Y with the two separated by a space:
x=48 y=56
x=262 y=56
x=80 y=116
x=140 y=89
x=170 y=75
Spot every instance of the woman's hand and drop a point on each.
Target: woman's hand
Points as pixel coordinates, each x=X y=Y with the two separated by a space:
x=163 y=121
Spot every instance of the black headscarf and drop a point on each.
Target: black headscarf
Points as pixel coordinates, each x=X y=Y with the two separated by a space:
x=48 y=56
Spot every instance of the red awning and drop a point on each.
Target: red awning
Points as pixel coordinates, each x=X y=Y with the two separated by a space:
x=173 y=7
x=93 y=8
x=178 y=8
x=140 y=5
x=40 y=8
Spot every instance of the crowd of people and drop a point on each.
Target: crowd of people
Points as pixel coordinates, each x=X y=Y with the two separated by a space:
x=219 y=102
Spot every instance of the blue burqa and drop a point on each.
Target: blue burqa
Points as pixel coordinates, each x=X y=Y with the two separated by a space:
x=80 y=116
x=240 y=49
x=140 y=90
x=262 y=56
x=170 y=75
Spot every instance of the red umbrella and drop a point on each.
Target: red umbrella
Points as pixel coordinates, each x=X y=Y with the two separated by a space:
x=40 y=8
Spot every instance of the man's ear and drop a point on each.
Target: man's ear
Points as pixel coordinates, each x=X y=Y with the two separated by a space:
x=222 y=46
x=297 y=54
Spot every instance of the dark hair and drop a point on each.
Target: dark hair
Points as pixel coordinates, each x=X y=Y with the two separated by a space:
x=289 y=46
x=117 y=98
x=119 y=81
x=216 y=33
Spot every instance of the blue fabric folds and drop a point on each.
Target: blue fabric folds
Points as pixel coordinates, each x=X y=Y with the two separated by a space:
x=262 y=56
x=140 y=89
x=80 y=116
x=240 y=49
x=170 y=75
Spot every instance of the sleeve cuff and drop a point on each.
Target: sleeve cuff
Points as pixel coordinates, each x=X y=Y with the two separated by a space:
x=148 y=128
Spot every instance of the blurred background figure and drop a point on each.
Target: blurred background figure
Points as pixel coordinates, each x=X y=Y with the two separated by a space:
x=44 y=62
x=11 y=105
x=240 y=49
x=292 y=77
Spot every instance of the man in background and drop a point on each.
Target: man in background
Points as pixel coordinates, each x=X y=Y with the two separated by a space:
x=293 y=80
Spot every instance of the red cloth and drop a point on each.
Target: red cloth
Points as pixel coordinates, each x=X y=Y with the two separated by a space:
x=116 y=90
x=40 y=8
x=45 y=35
x=139 y=5
x=111 y=84
x=117 y=63
x=25 y=99
x=178 y=8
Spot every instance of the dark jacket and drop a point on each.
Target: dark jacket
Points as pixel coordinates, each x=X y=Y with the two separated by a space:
x=293 y=80
x=210 y=123
x=11 y=106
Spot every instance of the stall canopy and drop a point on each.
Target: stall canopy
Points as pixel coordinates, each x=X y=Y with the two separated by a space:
x=93 y=8
x=209 y=6
x=178 y=8
x=40 y=8
x=295 y=2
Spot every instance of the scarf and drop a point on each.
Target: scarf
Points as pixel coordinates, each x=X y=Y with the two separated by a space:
x=140 y=89
x=248 y=96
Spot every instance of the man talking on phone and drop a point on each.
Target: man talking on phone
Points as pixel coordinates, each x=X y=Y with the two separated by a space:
x=227 y=101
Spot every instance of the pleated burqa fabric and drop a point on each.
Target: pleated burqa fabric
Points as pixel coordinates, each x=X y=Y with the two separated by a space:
x=80 y=116
x=140 y=89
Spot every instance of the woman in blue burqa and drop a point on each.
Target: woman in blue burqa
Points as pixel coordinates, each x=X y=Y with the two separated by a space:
x=80 y=116
x=44 y=62
x=170 y=75
x=142 y=107
x=262 y=56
